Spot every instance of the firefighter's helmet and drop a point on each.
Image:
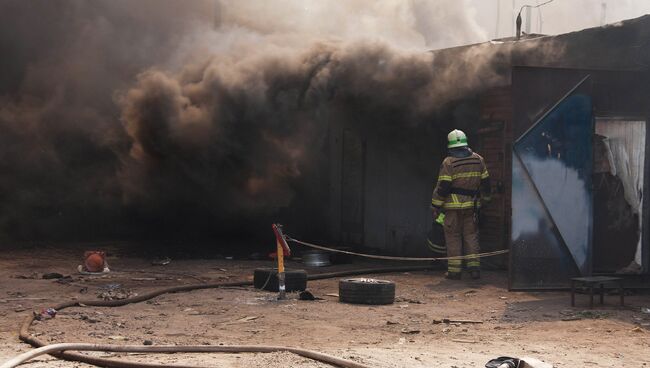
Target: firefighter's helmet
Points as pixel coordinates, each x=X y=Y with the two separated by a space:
x=456 y=139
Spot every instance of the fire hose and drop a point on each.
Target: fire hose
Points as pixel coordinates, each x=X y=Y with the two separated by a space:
x=48 y=349
x=61 y=350
x=393 y=258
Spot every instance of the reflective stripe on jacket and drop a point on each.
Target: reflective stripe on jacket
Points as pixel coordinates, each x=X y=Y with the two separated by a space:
x=461 y=181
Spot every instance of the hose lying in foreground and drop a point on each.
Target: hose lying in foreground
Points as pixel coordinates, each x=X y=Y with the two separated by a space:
x=58 y=352
x=179 y=349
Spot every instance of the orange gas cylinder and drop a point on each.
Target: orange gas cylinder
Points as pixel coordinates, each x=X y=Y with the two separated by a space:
x=94 y=261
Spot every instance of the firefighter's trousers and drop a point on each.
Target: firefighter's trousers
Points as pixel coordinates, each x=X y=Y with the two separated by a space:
x=461 y=233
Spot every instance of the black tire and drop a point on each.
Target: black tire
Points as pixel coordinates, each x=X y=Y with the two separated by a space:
x=267 y=279
x=366 y=291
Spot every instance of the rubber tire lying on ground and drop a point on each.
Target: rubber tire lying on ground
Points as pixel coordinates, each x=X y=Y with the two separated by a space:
x=366 y=291
x=267 y=279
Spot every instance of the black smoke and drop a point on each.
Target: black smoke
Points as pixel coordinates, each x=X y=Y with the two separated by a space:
x=108 y=133
x=60 y=135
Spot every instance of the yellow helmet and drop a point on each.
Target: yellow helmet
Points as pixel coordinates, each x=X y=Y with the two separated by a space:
x=456 y=138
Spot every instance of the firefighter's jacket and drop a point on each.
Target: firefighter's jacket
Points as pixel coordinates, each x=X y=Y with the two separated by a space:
x=462 y=183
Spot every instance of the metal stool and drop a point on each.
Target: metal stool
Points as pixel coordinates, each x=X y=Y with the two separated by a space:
x=590 y=282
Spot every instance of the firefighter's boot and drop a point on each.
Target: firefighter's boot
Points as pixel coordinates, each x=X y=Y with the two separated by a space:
x=452 y=275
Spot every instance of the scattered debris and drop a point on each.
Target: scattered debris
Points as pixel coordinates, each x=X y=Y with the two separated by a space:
x=465 y=341
x=392 y=323
x=306 y=295
x=455 y=321
x=637 y=329
x=144 y=279
x=586 y=314
x=503 y=362
x=52 y=275
x=410 y=331
x=33 y=275
x=118 y=338
x=248 y=319
x=119 y=324
x=645 y=310
x=334 y=295
x=161 y=261
x=243 y=320
x=84 y=317
x=147 y=342
x=19 y=309
x=47 y=313
x=17 y=294
x=529 y=362
x=115 y=292
x=82 y=271
x=65 y=280
x=408 y=300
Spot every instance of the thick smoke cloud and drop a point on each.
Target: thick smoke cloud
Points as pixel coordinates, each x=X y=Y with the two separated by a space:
x=190 y=119
x=60 y=136
x=241 y=131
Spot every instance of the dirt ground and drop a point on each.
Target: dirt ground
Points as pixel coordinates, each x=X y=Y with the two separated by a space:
x=521 y=324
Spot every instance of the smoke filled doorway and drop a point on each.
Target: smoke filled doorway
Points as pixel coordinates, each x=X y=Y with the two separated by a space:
x=619 y=162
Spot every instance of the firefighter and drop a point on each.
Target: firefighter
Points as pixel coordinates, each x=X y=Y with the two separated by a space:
x=463 y=182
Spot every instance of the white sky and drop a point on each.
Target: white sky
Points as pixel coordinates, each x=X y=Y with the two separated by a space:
x=560 y=16
x=418 y=24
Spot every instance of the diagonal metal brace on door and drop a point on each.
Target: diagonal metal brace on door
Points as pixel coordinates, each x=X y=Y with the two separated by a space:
x=552 y=149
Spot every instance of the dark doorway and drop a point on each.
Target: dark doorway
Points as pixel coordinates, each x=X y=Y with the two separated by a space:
x=352 y=188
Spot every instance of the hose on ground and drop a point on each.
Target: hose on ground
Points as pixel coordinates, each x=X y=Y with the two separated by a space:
x=48 y=349
x=25 y=336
